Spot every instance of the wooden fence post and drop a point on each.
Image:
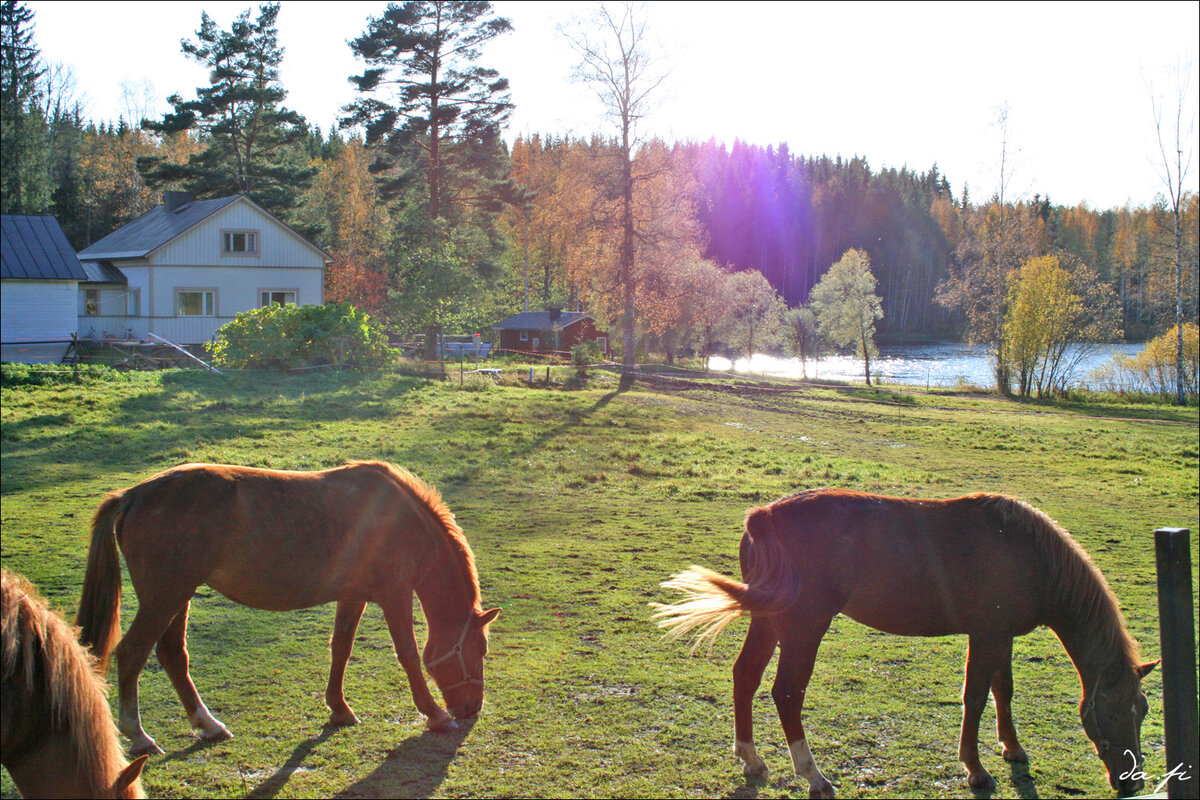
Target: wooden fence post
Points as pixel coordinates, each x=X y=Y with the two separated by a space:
x=1177 y=630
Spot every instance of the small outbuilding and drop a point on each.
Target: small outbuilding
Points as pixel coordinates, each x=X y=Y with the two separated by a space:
x=40 y=276
x=552 y=331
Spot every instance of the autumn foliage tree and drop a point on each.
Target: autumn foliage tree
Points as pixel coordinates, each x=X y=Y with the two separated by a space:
x=354 y=227
x=1053 y=314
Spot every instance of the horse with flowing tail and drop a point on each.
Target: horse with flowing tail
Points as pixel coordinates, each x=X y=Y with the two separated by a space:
x=282 y=540
x=57 y=737
x=987 y=566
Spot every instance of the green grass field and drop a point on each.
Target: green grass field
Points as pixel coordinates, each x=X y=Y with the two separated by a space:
x=578 y=502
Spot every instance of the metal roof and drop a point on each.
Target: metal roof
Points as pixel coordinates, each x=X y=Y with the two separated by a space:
x=540 y=321
x=103 y=272
x=152 y=230
x=35 y=248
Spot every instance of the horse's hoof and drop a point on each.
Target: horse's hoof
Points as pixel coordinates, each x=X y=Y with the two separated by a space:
x=758 y=770
x=824 y=791
x=1015 y=755
x=148 y=747
x=981 y=780
x=218 y=735
x=442 y=724
x=342 y=719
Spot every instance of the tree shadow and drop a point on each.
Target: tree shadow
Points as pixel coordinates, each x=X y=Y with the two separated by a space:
x=414 y=769
x=271 y=786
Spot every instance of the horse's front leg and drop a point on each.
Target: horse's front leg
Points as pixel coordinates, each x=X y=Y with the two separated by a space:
x=985 y=657
x=399 y=617
x=797 y=655
x=747 y=676
x=340 y=644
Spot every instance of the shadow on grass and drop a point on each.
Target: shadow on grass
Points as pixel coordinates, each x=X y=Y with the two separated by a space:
x=414 y=769
x=271 y=786
x=1023 y=781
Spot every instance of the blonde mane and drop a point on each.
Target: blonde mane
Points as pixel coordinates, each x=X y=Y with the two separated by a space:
x=43 y=660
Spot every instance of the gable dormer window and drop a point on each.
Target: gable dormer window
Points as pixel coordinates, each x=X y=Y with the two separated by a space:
x=239 y=243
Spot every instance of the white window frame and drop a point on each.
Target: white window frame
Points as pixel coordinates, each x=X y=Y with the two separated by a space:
x=133 y=303
x=208 y=309
x=91 y=302
x=295 y=293
x=524 y=336
x=228 y=241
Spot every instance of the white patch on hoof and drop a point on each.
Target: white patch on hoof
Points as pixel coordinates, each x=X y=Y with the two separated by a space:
x=208 y=727
x=806 y=767
x=752 y=765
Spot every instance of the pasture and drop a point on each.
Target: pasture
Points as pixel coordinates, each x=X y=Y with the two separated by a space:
x=578 y=503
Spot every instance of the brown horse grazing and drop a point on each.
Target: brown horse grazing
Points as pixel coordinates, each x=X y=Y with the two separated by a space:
x=985 y=565
x=57 y=737
x=276 y=540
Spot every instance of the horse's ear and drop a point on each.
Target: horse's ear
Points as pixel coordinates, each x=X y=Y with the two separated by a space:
x=486 y=617
x=1145 y=669
x=129 y=776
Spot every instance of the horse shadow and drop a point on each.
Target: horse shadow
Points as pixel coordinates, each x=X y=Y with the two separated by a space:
x=1022 y=782
x=414 y=769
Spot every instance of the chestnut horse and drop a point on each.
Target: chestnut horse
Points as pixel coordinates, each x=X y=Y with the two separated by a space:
x=279 y=540
x=57 y=737
x=985 y=565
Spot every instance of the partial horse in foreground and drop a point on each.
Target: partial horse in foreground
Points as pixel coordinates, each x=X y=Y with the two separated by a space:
x=987 y=566
x=282 y=540
x=57 y=737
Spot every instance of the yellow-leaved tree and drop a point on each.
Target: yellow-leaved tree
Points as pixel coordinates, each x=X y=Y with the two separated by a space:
x=1056 y=316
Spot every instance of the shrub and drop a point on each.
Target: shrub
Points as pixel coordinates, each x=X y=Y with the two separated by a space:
x=583 y=355
x=289 y=336
x=13 y=374
x=1156 y=363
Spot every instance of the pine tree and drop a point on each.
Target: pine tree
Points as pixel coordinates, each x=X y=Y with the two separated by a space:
x=255 y=146
x=441 y=123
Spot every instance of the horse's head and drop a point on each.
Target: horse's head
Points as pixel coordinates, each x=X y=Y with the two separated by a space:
x=457 y=664
x=1112 y=712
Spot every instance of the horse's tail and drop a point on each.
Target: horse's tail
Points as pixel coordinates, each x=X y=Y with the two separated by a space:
x=99 y=617
x=711 y=600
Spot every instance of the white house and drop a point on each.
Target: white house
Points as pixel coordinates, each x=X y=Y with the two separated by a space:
x=39 y=289
x=185 y=268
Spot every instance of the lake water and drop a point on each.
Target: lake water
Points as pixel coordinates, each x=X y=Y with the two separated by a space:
x=927 y=364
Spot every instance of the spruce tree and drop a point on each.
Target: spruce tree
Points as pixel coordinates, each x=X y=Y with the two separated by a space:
x=24 y=182
x=255 y=146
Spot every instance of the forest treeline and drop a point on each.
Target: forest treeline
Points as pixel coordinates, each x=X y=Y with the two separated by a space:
x=435 y=223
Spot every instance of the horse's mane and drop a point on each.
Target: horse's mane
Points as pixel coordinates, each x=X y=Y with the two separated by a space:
x=1077 y=586
x=431 y=498
x=43 y=660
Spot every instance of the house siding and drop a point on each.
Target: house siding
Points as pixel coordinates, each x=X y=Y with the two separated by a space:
x=194 y=261
x=36 y=311
x=202 y=244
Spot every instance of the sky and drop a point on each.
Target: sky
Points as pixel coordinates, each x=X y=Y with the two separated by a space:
x=900 y=84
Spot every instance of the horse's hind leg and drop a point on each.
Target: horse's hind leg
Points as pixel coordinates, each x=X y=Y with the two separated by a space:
x=985 y=657
x=172 y=654
x=148 y=625
x=344 y=626
x=747 y=676
x=797 y=655
x=1002 y=692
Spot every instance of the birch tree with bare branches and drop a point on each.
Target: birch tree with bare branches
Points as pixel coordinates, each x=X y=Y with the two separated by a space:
x=1175 y=133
